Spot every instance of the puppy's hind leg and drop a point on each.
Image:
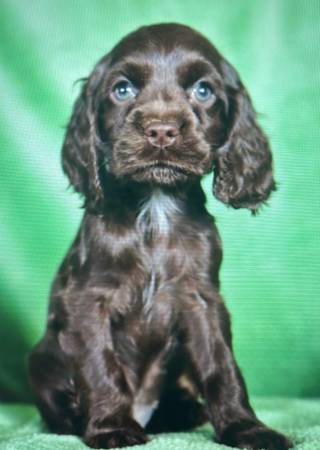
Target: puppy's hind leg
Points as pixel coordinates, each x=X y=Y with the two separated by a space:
x=52 y=381
x=178 y=410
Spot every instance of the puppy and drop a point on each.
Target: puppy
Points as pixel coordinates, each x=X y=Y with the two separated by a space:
x=137 y=330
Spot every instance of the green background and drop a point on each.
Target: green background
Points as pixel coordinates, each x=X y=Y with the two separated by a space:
x=271 y=262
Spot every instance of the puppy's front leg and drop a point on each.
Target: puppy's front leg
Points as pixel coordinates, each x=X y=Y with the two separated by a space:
x=108 y=402
x=221 y=383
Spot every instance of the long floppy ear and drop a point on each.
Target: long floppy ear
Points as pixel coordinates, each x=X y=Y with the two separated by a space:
x=243 y=165
x=80 y=151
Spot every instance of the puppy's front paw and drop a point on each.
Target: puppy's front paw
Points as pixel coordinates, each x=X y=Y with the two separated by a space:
x=256 y=437
x=117 y=438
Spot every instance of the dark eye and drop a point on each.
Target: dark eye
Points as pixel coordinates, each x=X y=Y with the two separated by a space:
x=202 y=91
x=124 y=90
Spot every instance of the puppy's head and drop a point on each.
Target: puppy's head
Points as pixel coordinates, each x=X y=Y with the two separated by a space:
x=164 y=107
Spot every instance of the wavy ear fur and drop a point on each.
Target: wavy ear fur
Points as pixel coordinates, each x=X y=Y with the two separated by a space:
x=80 y=155
x=243 y=166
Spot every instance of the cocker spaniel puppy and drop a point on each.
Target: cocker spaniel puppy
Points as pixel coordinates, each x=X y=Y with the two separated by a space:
x=137 y=330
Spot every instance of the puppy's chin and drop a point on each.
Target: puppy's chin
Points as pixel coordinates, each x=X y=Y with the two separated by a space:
x=162 y=174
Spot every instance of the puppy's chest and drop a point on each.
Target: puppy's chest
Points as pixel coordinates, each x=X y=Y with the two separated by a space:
x=156 y=227
x=161 y=229
x=167 y=246
x=157 y=216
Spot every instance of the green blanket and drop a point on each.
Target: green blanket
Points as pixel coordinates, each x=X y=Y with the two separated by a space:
x=271 y=262
x=21 y=428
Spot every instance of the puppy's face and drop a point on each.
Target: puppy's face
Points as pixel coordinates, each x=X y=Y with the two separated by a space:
x=163 y=109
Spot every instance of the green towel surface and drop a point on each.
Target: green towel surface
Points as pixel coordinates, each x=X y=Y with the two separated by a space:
x=271 y=263
x=21 y=428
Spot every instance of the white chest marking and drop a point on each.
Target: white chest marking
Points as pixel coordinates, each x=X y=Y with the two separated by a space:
x=157 y=213
x=149 y=290
x=142 y=412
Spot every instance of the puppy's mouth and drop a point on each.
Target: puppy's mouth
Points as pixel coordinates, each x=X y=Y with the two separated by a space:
x=162 y=173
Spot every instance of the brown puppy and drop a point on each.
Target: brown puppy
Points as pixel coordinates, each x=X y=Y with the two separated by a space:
x=137 y=329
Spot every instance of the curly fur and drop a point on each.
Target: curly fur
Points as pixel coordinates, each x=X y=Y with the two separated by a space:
x=137 y=330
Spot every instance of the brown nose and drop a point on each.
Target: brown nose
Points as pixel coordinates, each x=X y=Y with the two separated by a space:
x=162 y=135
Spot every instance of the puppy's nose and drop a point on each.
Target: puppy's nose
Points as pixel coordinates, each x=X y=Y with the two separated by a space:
x=162 y=135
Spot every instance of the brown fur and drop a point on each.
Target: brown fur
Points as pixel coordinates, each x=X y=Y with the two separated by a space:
x=135 y=316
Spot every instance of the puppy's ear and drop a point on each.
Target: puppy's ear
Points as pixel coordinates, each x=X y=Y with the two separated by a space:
x=243 y=165
x=80 y=151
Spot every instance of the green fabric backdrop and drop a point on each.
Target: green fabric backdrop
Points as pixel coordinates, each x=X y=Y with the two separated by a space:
x=271 y=264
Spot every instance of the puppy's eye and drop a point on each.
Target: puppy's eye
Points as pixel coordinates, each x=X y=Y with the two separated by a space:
x=124 y=90
x=202 y=91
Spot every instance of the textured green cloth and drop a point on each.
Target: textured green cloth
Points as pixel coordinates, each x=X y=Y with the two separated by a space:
x=270 y=274
x=21 y=429
x=271 y=266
